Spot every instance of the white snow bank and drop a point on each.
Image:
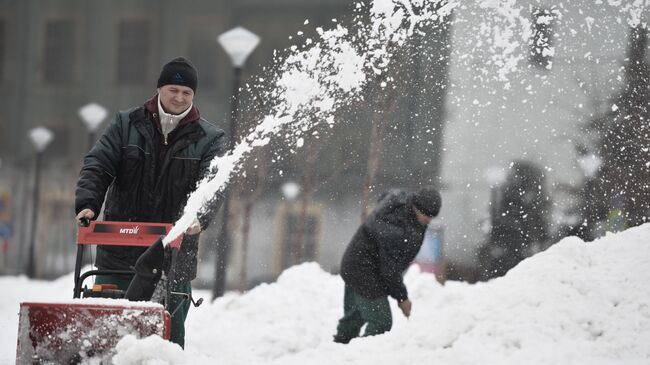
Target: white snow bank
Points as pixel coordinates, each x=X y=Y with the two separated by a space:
x=576 y=303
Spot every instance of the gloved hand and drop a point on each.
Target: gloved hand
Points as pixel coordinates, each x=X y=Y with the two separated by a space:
x=405 y=306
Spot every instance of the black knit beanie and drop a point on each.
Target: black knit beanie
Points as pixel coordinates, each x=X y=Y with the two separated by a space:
x=427 y=201
x=179 y=71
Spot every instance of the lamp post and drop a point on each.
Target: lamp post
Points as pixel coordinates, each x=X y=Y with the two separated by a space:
x=290 y=191
x=494 y=176
x=40 y=138
x=238 y=44
x=92 y=115
x=589 y=164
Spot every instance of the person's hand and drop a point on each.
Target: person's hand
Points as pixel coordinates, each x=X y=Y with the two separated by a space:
x=87 y=214
x=194 y=228
x=405 y=306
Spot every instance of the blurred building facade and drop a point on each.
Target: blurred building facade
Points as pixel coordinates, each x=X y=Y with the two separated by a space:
x=570 y=63
x=59 y=55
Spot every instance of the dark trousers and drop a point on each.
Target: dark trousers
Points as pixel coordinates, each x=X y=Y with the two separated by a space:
x=178 y=318
x=357 y=311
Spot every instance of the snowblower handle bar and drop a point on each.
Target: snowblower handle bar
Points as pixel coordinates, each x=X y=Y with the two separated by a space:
x=124 y=234
x=106 y=233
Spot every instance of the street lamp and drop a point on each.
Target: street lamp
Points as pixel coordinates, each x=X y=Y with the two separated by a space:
x=238 y=44
x=40 y=138
x=290 y=190
x=92 y=114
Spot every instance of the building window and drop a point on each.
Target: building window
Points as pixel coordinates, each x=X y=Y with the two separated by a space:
x=3 y=48
x=299 y=234
x=204 y=58
x=541 y=44
x=133 y=52
x=58 y=64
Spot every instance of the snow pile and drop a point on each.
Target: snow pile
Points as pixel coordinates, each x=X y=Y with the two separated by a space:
x=152 y=350
x=575 y=303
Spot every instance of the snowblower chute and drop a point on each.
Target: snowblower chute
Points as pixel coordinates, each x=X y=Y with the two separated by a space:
x=71 y=331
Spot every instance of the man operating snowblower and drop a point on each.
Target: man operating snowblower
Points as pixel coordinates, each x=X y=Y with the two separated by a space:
x=143 y=167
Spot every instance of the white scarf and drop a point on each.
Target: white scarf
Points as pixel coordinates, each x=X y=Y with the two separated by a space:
x=168 y=122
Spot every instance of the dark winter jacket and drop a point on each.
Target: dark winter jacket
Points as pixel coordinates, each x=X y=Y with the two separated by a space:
x=382 y=248
x=148 y=181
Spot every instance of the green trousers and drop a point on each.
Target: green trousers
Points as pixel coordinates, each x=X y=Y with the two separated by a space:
x=178 y=318
x=358 y=310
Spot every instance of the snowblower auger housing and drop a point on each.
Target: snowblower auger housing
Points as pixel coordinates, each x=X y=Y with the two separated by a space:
x=71 y=331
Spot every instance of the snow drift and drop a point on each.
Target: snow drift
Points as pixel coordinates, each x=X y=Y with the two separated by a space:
x=575 y=303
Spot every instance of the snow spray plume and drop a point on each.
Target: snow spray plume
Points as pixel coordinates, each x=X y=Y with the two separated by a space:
x=329 y=72
x=317 y=79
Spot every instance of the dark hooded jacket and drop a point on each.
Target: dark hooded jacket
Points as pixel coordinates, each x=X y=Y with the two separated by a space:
x=383 y=247
x=146 y=180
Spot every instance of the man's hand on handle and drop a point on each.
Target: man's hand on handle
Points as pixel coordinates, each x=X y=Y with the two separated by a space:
x=194 y=228
x=85 y=215
x=405 y=306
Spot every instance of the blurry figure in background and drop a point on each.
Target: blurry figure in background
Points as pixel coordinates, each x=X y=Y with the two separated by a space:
x=583 y=209
x=380 y=251
x=149 y=160
x=587 y=216
x=520 y=223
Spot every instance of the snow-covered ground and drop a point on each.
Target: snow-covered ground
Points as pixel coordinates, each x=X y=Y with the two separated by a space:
x=576 y=303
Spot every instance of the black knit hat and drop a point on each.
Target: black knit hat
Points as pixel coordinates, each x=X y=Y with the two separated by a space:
x=427 y=201
x=179 y=71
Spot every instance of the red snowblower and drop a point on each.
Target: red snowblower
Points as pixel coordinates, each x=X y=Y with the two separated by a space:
x=70 y=332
